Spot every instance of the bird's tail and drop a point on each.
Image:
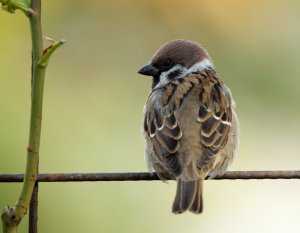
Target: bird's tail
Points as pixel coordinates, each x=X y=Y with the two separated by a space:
x=188 y=196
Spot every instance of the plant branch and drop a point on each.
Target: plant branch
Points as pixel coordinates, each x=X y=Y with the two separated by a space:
x=43 y=62
x=12 y=216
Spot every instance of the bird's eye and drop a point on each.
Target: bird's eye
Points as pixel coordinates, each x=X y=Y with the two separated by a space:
x=167 y=64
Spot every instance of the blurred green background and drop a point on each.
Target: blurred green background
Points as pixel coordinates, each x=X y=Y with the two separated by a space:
x=93 y=107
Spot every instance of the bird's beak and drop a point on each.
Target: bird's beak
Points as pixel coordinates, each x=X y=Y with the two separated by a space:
x=149 y=70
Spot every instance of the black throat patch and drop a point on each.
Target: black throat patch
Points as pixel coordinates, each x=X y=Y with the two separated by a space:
x=155 y=81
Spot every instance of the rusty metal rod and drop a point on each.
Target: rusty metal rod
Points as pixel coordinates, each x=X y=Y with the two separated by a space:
x=145 y=176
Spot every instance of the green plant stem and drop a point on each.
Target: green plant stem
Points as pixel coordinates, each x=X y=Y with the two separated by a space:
x=11 y=217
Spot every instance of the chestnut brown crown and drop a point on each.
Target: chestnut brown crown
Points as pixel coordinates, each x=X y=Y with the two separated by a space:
x=182 y=52
x=176 y=52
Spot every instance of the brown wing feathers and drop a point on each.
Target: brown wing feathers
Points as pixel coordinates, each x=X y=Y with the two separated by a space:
x=165 y=133
x=215 y=115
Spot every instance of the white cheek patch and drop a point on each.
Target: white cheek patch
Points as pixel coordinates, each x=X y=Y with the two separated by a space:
x=163 y=78
x=202 y=65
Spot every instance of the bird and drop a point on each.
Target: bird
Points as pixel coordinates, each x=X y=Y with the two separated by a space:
x=190 y=126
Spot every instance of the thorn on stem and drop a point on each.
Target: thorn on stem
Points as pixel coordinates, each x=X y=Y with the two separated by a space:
x=30 y=12
x=29 y=149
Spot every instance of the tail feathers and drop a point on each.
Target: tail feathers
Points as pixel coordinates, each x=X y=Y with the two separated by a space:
x=188 y=197
x=197 y=206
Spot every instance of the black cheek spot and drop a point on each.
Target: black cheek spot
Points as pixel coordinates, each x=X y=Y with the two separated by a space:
x=174 y=74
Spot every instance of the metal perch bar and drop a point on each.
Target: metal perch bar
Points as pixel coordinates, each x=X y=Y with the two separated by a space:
x=146 y=176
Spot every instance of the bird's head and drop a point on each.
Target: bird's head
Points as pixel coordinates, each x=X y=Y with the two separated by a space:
x=176 y=59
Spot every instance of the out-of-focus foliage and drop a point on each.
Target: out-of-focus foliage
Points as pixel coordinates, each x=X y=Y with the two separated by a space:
x=93 y=106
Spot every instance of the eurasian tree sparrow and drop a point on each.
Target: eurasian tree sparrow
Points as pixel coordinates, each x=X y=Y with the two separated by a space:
x=190 y=126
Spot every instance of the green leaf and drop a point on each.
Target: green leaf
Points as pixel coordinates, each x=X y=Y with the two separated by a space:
x=12 y=5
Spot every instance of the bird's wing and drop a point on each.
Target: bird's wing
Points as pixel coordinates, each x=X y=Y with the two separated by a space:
x=164 y=132
x=215 y=115
x=162 y=128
